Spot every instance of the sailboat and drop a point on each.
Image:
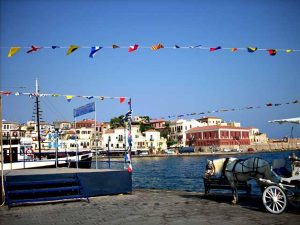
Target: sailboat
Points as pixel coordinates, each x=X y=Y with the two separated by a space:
x=19 y=154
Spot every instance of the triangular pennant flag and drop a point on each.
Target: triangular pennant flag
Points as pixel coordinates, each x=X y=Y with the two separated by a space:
x=133 y=48
x=72 y=48
x=55 y=95
x=272 y=52
x=296 y=101
x=12 y=51
x=94 y=50
x=233 y=49
x=269 y=104
x=89 y=97
x=33 y=49
x=69 y=97
x=54 y=46
x=122 y=99
x=251 y=49
x=156 y=47
x=177 y=46
x=115 y=46
x=289 y=50
x=101 y=98
x=214 y=49
x=7 y=93
x=196 y=46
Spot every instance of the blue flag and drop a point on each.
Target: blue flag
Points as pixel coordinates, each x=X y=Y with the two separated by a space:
x=88 y=108
x=94 y=50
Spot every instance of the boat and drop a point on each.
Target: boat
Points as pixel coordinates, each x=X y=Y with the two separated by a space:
x=18 y=152
x=24 y=157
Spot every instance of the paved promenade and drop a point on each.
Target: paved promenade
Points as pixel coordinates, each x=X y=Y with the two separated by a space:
x=149 y=207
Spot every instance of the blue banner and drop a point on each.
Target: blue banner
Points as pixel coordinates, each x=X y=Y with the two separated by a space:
x=84 y=109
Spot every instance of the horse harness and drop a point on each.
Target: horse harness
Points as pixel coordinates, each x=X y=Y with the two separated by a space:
x=252 y=171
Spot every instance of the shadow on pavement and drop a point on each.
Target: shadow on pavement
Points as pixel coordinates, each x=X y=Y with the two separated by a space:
x=248 y=202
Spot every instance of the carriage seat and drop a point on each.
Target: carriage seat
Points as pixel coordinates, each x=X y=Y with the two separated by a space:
x=279 y=167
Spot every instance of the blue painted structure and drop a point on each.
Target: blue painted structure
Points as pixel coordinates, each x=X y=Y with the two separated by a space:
x=46 y=185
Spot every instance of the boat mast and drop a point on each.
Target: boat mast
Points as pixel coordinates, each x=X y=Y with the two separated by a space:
x=38 y=115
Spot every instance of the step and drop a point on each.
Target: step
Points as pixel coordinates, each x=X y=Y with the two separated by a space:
x=40 y=182
x=47 y=200
x=43 y=190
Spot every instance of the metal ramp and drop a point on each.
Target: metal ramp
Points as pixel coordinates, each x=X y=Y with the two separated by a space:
x=43 y=191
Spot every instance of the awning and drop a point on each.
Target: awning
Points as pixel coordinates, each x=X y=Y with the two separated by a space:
x=291 y=120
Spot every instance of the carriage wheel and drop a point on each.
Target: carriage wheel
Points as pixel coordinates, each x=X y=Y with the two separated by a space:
x=274 y=199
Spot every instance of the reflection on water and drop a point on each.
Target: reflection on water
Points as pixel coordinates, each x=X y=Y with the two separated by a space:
x=179 y=173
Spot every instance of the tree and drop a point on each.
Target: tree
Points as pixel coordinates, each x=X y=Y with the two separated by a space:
x=117 y=122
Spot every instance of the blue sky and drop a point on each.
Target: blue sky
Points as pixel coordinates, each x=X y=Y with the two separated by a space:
x=161 y=83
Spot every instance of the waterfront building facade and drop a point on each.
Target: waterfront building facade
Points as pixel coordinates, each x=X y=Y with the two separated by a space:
x=220 y=136
x=178 y=129
x=158 y=124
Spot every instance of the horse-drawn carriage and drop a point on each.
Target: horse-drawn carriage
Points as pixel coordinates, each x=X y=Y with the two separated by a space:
x=278 y=184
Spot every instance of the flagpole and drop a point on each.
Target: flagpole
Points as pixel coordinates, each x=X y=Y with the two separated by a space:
x=76 y=144
x=129 y=123
x=2 y=155
x=96 y=136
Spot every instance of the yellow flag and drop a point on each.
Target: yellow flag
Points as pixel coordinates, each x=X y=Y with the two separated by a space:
x=289 y=50
x=13 y=50
x=72 y=48
x=69 y=97
x=156 y=47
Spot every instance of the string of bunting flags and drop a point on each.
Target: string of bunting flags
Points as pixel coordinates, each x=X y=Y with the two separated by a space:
x=68 y=97
x=267 y=105
x=95 y=49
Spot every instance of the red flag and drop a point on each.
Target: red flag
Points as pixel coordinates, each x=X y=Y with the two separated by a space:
x=129 y=169
x=7 y=93
x=272 y=52
x=33 y=49
x=214 y=49
x=122 y=99
x=133 y=48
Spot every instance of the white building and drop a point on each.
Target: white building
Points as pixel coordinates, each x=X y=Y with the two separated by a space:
x=154 y=142
x=210 y=121
x=150 y=141
x=10 y=129
x=179 y=127
x=256 y=137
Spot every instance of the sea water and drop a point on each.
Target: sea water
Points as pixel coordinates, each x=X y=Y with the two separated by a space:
x=182 y=172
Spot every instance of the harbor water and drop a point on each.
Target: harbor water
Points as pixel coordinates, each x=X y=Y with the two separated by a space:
x=181 y=172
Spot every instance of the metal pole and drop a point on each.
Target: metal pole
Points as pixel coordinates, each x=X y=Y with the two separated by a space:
x=77 y=147
x=10 y=150
x=129 y=123
x=108 y=152
x=2 y=155
x=56 y=151
x=38 y=117
x=96 y=136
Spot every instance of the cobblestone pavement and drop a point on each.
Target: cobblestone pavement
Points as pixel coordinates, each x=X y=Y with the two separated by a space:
x=149 y=207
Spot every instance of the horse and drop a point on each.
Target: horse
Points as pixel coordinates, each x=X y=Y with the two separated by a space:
x=240 y=170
